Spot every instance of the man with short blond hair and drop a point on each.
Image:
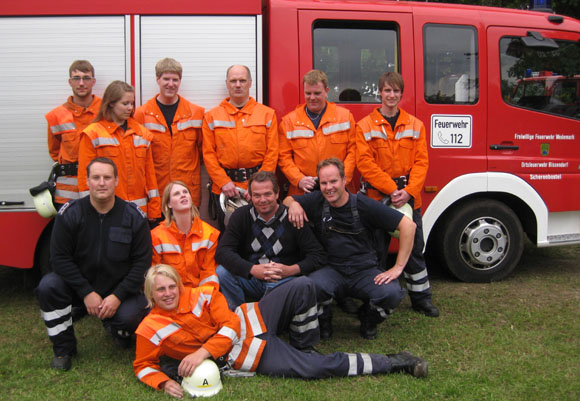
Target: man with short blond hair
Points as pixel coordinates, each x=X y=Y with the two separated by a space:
x=176 y=126
x=240 y=137
x=65 y=124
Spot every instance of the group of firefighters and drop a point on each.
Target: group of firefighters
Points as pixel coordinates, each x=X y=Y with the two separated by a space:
x=109 y=151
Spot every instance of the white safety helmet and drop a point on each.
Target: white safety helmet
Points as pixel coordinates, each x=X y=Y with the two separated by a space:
x=205 y=380
x=42 y=199
x=43 y=204
x=407 y=210
x=229 y=205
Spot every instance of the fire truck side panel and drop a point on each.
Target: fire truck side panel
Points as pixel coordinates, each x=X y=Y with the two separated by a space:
x=546 y=143
x=36 y=53
x=17 y=246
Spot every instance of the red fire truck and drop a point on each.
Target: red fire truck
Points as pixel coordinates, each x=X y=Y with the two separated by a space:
x=502 y=165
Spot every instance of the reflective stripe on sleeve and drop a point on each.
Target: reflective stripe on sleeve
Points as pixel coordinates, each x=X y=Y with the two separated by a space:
x=155 y=127
x=269 y=124
x=300 y=133
x=59 y=328
x=144 y=372
x=229 y=333
x=330 y=129
x=82 y=194
x=164 y=332
x=154 y=193
x=55 y=314
x=189 y=124
x=206 y=243
x=57 y=129
x=167 y=248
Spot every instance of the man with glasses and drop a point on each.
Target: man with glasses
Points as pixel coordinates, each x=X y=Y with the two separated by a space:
x=65 y=123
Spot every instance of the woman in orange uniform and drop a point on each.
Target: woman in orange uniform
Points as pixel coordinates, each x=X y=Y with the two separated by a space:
x=190 y=325
x=116 y=135
x=184 y=240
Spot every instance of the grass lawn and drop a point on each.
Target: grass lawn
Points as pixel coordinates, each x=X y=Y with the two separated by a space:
x=513 y=340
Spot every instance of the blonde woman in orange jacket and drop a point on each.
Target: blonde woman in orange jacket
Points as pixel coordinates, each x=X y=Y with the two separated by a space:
x=190 y=325
x=184 y=240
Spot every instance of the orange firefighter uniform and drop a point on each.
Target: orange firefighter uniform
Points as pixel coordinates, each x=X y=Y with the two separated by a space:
x=65 y=125
x=235 y=139
x=131 y=152
x=176 y=156
x=302 y=146
x=202 y=319
x=191 y=254
x=384 y=154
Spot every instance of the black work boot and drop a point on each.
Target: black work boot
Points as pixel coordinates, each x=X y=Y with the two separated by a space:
x=368 y=326
x=408 y=363
x=425 y=306
x=61 y=362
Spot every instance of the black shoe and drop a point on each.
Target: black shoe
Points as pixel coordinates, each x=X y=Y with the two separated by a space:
x=368 y=330
x=426 y=307
x=325 y=329
x=348 y=305
x=408 y=363
x=61 y=362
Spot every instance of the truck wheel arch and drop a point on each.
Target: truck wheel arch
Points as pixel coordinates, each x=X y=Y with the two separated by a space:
x=508 y=205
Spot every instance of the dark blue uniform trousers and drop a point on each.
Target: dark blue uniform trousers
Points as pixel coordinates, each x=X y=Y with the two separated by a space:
x=56 y=299
x=292 y=306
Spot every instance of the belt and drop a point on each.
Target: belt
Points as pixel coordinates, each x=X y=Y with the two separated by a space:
x=66 y=169
x=400 y=181
x=241 y=174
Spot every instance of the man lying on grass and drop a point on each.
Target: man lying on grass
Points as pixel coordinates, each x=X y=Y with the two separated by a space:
x=190 y=325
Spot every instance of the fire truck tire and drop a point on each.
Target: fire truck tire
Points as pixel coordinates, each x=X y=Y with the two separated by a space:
x=482 y=241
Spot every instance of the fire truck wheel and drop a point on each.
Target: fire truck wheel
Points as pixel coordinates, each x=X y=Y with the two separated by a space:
x=482 y=241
